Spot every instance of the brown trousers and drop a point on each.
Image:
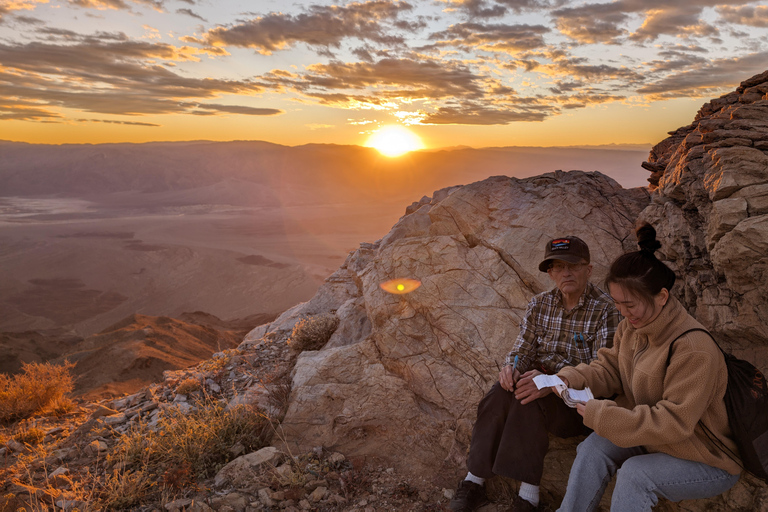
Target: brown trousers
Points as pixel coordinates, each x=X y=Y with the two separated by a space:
x=511 y=439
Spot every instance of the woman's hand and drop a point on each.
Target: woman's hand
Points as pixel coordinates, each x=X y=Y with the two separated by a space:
x=580 y=408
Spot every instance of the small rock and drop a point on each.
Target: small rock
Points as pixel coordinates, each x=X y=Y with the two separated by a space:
x=95 y=447
x=304 y=505
x=15 y=446
x=67 y=505
x=336 y=458
x=115 y=419
x=265 y=498
x=198 y=506
x=448 y=493
x=212 y=386
x=54 y=431
x=240 y=468
x=178 y=504
x=102 y=411
x=318 y=494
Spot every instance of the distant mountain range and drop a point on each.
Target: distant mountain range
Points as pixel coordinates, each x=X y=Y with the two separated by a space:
x=257 y=173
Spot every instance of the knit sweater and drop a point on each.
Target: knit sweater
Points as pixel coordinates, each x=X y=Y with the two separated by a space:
x=656 y=406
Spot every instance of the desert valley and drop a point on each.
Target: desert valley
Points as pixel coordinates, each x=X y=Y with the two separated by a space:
x=230 y=234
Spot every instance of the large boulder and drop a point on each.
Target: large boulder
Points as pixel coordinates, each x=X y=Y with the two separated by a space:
x=402 y=375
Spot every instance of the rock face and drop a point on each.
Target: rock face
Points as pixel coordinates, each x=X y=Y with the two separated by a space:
x=402 y=375
x=711 y=212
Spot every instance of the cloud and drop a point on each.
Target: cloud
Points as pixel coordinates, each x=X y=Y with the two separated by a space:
x=21 y=110
x=110 y=121
x=319 y=26
x=117 y=4
x=475 y=114
x=674 y=20
x=110 y=75
x=707 y=79
x=190 y=12
x=497 y=38
x=607 y=22
x=495 y=8
x=750 y=15
x=8 y=7
x=408 y=79
x=211 y=109
x=592 y=23
x=479 y=8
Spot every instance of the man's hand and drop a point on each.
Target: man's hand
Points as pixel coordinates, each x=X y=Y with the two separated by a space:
x=508 y=378
x=526 y=390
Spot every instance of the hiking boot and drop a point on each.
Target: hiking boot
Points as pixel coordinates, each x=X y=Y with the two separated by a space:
x=522 y=505
x=468 y=497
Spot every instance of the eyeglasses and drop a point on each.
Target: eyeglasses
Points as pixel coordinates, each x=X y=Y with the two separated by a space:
x=560 y=267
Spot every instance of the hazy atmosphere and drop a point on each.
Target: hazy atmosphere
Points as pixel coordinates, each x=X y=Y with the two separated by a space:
x=457 y=72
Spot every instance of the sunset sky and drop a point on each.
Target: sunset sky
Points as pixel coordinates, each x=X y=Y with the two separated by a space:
x=456 y=72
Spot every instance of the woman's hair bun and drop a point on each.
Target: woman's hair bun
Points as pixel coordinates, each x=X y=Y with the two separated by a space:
x=646 y=238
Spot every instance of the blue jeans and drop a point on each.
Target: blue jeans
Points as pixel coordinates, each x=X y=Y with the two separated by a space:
x=641 y=479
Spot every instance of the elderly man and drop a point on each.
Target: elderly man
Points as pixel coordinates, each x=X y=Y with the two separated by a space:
x=564 y=326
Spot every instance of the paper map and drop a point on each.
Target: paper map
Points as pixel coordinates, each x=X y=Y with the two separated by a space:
x=570 y=396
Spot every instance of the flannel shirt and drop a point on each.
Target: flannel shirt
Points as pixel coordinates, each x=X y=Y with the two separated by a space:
x=551 y=337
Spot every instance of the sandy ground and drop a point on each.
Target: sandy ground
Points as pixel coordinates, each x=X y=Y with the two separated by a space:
x=77 y=266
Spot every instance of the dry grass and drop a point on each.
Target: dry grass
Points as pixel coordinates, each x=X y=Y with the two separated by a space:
x=313 y=333
x=188 y=386
x=200 y=441
x=32 y=436
x=124 y=489
x=38 y=386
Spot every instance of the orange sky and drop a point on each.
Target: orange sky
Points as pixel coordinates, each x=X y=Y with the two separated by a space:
x=455 y=72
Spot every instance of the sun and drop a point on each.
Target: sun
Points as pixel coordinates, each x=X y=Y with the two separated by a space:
x=394 y=140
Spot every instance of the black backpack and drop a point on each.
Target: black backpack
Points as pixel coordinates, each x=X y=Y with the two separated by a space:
x=746 y=400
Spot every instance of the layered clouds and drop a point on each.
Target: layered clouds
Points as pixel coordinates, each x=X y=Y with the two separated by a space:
x=441 y=62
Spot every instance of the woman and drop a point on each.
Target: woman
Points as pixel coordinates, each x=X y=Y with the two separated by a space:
x=650 y=434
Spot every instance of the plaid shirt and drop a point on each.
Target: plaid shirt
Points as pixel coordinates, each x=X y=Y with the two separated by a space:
x=551 y=337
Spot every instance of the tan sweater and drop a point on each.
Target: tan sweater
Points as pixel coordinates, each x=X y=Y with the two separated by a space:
x=658 y=407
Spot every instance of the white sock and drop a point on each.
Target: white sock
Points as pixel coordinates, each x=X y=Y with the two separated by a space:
x=529 y=493
x=477 y=479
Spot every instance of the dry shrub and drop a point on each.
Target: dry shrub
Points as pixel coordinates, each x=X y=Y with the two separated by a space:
x=313 y=333
x=188 y=385
x=40 y=384
x=126 y=489
x=32 y=436
x=199 y=440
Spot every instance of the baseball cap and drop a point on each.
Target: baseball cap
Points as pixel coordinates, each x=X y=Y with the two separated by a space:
x=571 y=249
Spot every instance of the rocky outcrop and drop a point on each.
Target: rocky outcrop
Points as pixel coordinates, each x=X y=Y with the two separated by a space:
x=402 y=375
x=746 y=131
x=711 y=211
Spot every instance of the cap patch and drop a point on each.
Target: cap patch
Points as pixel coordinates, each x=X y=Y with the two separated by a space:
x=561 y=244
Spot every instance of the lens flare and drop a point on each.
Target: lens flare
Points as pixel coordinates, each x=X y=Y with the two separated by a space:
x=400 y=286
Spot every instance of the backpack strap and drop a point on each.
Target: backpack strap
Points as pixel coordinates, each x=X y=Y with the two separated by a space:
x=669 y=355
x=710 y=435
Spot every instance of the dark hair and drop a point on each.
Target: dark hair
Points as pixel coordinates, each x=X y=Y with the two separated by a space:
x=641 y=272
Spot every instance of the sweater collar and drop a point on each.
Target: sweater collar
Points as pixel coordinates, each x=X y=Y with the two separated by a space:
x=659 y=329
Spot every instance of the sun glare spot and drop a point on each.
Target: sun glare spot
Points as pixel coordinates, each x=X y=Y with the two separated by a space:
x=394 y=141
x=400 y=286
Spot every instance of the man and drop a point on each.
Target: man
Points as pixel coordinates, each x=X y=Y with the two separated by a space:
x=564 y=326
